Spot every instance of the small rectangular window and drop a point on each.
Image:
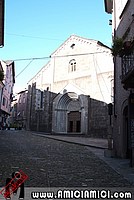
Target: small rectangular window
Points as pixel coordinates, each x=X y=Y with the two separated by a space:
x=23 y=113
x=4 y=101
x=7 y=104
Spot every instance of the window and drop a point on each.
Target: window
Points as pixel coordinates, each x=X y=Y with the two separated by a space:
x=23 y=113
x=4 y=101
x=20 y=99
x=24 y=100
x=72 y=65
x=9 y=89
x=72 y=46
x=7 y=104
x=7 y=74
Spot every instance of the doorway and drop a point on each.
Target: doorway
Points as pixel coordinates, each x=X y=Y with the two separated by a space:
x=127 y=139
x=74 y=121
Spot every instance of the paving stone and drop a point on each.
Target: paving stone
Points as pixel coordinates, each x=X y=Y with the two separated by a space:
x=51 y=163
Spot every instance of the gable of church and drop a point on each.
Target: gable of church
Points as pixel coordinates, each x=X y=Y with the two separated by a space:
x=77 y=45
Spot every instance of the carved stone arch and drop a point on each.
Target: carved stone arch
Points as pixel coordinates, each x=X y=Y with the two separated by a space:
x=68 y=109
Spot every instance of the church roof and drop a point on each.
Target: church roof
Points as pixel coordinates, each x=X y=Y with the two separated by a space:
x=74 y=38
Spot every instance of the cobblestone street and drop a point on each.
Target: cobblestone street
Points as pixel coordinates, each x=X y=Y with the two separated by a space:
x=50 y=163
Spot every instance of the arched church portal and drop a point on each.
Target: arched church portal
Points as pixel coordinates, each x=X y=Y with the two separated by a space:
x=70 y=113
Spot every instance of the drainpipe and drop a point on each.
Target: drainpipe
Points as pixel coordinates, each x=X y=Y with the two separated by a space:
x=89 y=116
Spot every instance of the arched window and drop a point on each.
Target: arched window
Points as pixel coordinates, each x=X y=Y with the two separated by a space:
x=72 y=65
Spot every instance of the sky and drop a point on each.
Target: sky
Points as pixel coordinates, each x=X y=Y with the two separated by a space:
x=36 y=28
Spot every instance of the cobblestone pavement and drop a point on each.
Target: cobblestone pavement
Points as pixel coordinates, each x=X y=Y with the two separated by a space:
x=51 y=163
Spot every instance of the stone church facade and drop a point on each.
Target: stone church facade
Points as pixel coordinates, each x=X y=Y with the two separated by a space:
x=77 y=85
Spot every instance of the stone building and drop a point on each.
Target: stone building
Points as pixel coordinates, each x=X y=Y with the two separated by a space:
x=13 y=116
x=76 y=85
x=2 y=16
x=82 y=63
x=66 y=113
x=7 y=91
x=123 y=34
x=22 y=109
x=1 y=83
x=39 y=109
x=78 y=113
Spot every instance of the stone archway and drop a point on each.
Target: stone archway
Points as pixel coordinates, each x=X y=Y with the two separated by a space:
x=70 y=113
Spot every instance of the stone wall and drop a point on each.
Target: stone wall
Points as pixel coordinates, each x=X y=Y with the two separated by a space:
x=99 y=119
x=53 y=117
x=41 y=119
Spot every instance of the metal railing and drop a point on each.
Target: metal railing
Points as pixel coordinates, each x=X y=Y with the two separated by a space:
x=127 y=64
